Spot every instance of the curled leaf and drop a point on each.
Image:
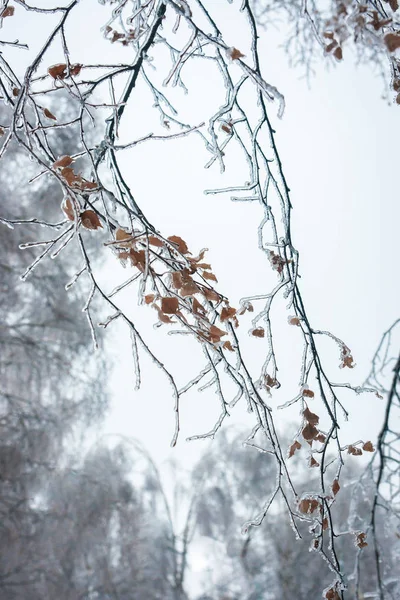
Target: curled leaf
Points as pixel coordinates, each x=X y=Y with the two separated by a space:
x=338 y=53
x=346 y=358
x=228 y=346
x=258 y=332
x=354 y=450
x=49 y=114
x=7 y=12
x=294 y=321
x=308 y=505
x=90 y=220
x=360 y=539
x=332 y=594
x=58 y=71
x=67 y=208
x=271 y=382
x=295 y=446
x=234 y=53
x=180 y=243
x=63 y=161
x=368 y=447
x=163 y=318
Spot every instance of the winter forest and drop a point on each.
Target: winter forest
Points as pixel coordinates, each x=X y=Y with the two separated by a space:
x=199 y=325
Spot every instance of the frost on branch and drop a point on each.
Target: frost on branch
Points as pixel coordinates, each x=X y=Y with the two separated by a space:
x=101 y=208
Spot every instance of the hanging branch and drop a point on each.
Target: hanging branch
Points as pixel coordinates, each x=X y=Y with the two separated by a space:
x=179 y=287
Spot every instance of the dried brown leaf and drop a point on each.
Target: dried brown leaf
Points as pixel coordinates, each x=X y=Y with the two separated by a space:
x=149 y=298
x=163 y=318
x=308 y=505
x=49 y=114
x=209 y=276
x=335 y=487
x=177 y=280
x=124 y=237
x=360 y=540
x=271 y=382
x=332 y=594
x=295 y=446
x=368 y=447
x=234 y=53
x=294 y=321
x=180 y=243
x=198 y=308
x=338 y=53
x=331 y=46
x=169 y=305
x=227 y=313
x=138 y=258
x=90 y=220
x=7 y=12
x=312 y=418
x=211 y=295
x=346 y=358
x=63 y=161
x=216 y=334
x=189 y=288
x=258 y=332
x=392 y=41
x=309 y=432
x=155 y=241
x=75 y=69
x=58 y=71
x=354 y=450
x=228 y=346
x=67 y=208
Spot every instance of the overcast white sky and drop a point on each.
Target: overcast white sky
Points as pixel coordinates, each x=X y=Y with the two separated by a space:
x=338 y=141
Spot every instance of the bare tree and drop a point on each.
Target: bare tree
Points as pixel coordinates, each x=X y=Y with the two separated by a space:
x=45 y=391
x=171 y=35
